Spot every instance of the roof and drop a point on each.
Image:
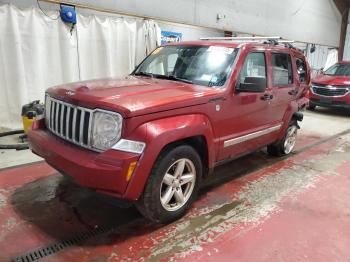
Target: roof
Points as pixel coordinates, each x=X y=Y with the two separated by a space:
x=231 y=44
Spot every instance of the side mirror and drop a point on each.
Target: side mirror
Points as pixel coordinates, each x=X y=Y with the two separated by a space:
x=322 y=71
x=252 y=84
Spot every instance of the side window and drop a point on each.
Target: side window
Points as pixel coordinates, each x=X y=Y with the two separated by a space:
x=302 y=70
x=282 y=70
x=253 y=72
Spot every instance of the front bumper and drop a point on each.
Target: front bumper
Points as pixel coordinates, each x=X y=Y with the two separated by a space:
x=104 y=172
x=330 y=101
x=333 y=102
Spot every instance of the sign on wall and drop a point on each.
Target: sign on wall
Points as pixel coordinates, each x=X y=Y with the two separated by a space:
x=170 y=37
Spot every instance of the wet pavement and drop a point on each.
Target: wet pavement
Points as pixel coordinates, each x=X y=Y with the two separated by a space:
x=257 y=208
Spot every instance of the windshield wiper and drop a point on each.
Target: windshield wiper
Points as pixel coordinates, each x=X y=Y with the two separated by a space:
x=175 y=78
x=141 y=73
x=170 y=77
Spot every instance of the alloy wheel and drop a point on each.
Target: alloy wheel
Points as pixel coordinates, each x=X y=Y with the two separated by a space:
x=177 y=185
x=290 y=139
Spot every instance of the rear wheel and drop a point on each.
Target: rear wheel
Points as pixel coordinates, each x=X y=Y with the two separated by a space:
x=172 y=186
x=287 y=144
x=311 y=107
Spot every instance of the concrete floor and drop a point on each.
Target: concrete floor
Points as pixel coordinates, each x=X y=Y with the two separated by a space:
x=257 y=208
x=9 y=158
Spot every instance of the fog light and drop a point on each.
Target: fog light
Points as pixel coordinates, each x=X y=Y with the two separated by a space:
x=131 y=170
x=130 y=146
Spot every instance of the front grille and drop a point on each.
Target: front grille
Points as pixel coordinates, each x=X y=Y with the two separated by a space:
x=70 y=122
x=330 y=90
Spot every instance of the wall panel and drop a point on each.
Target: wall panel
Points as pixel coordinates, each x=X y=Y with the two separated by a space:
x=312 y=21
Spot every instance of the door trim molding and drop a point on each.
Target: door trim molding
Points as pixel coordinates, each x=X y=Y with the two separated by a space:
x=244 y=138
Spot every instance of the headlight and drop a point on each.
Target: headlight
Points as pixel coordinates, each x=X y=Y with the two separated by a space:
x=106 y=129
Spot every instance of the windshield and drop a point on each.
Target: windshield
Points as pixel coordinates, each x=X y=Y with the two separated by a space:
x=201 y=65
x=338 y=70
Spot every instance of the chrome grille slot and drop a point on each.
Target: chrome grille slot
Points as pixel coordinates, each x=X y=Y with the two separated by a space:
x=70 y=122
x=330 y=90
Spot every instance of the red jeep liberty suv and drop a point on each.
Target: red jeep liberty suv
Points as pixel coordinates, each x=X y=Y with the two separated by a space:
x=332 y=87
x=153 y=136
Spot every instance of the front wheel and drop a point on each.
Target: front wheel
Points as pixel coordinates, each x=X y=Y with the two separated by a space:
x=172 y=185
x=287 y=144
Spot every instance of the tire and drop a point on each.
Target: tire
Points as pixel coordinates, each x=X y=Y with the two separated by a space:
x=163 y=184
x=311 y=107
x=286 y=145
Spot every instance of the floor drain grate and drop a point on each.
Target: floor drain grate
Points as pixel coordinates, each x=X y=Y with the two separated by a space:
x=42 y=252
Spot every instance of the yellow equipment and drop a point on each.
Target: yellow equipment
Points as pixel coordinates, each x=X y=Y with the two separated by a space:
x=30 y=112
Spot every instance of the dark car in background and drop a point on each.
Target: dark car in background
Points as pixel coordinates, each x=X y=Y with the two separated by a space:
x=332 y=87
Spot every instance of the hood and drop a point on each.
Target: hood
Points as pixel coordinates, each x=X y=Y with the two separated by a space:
x=332 y=80
x=132 y=96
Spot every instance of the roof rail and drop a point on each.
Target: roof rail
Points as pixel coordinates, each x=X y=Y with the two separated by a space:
x=240 y=38
x=275 y=40
x=286 y=41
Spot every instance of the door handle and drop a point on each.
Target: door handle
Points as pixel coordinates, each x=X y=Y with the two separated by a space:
x=266 y=97
x=293 y=92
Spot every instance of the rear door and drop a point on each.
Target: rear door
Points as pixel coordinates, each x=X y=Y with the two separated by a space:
x=283 y=82
x=302 y=80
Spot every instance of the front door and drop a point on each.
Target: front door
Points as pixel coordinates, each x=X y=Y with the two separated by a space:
x=249 y=122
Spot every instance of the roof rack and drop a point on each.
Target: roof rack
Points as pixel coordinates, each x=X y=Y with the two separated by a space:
x=240 y=38
x=275 y=40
